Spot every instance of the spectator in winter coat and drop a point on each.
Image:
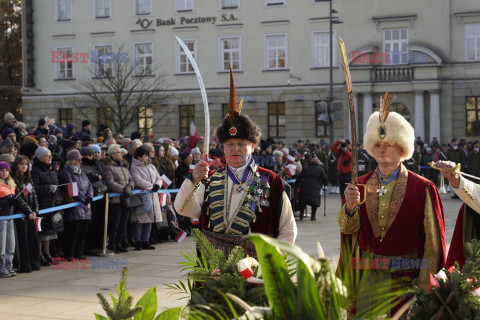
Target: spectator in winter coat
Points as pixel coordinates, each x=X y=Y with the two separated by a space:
x=76 y=218
x=29 y=253
x=7 y=230
x=310 y=182
x=186 y=159
x=116 y=174
x=45 y=182
x=145 y=176
x=342 y=150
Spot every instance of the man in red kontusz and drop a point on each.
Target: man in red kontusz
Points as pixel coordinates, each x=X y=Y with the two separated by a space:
x=341 y=149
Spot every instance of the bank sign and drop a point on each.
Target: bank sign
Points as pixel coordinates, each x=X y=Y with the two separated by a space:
x=186 y=21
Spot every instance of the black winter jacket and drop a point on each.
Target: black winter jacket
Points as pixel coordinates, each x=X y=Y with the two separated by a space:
x=310 y=181
x=43 y=177
x=25 y=204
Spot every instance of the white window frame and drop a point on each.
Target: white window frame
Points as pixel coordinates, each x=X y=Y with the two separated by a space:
x=111 y=62
x=178 y=7
x=65 y=64
x=224 y=6
x=135 y=44
x=399 y=42
x=135 y=8
x=57 y=10
x=314 y=47
x=266 y=49
x=476 y=39
x=178 y=54
x=221 y=51
x=274 y=3
x=95 y=9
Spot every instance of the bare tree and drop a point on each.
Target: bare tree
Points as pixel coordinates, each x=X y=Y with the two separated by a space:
x=120 y=87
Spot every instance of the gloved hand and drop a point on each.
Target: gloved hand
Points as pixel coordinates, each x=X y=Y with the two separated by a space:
x=87 y=201
x=53 y=188
x=155 y=187
x=127 y=191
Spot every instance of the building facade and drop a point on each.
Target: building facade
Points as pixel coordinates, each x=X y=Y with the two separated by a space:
x=427 y=53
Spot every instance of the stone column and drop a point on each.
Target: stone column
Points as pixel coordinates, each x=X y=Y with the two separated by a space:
x=419 y=115
x=367 y=109
x=434 y=115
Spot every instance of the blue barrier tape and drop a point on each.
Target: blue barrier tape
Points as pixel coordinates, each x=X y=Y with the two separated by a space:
x=74 y=204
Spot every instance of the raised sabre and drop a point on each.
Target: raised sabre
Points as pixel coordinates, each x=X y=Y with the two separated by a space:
x=351 y=104
x=204 y=94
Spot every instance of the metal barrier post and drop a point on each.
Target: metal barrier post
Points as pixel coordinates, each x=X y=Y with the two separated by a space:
x=105 y=228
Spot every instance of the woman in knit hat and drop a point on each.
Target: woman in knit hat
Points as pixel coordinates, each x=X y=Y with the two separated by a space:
x=186 y=159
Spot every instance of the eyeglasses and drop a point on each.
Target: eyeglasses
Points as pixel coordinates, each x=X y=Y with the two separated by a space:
x=240 y=145
x=50 y=157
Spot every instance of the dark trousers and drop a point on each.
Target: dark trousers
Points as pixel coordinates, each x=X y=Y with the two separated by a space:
x=117 y=222
x=314 y=212
x=342 y=180
x=95 y=228
x=75 y=234
x=28 y=250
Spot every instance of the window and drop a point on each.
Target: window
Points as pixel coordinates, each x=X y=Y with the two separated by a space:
x=187 y=114
x=224 y=109
x=472 y=42
x=473 y=116
x=230 y=50
x=321 y=127
x=143 y=7
x=321 y=49
x=65 y=116
x=274 y=2
x=145 y=120
x=102 y=8
x=64 y=69
x=276 y=52
x=102 y=58
x=276 y=119
x=395 y=44
x=64 y=10
x=230 y=4
x=143 y=59
x=185 y=5
x=104 y=116
x=183 y=65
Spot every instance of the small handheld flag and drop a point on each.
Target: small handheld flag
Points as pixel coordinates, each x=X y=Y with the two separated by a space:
x=290 y=170
x=180 y=235
x=38 y=222
x=290 y=159
x=190 y=169
x=72 y=189
x=163 y=199
x=165 y=181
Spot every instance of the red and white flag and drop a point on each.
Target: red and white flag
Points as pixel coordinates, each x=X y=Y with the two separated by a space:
x=72 y=189
x=193 y=129
x=38 y=222
x=290 y=170
x=165 y=181
x=290 y=159
x=195 y=221
x=163 y=198
x=190 y=169
x=180 y=235
x=27 y=189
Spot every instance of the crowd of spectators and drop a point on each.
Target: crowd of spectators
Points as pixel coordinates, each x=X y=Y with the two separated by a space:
x=40 y=165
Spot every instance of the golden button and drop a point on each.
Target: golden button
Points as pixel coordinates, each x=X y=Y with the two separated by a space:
x=381 y=240
x=382 y=217
x=383 y=228
x=383 y=204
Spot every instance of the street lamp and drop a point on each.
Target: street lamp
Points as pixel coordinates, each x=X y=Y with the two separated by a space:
x=332 y=21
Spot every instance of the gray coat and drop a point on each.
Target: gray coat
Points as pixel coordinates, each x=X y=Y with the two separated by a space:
x=116 y=176
x=85 y=190
x=145 y=176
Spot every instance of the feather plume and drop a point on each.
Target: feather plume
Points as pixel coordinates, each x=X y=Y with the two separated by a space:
x=234 y=109
x=384 y=105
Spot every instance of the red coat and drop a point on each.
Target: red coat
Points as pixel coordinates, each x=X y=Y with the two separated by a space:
x=404 y=231
x=344 y=164
x=457 y=251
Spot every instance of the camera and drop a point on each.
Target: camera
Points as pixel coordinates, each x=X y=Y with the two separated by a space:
x=343 y=145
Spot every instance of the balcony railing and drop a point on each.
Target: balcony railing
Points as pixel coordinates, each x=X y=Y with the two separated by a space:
x=393 y=73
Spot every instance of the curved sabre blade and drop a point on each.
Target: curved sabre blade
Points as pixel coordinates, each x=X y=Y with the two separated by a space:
x=202 y=90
